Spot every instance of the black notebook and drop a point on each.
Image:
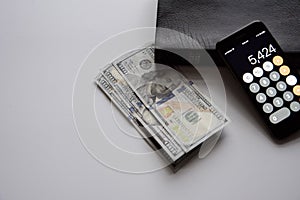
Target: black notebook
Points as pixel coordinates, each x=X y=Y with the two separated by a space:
x=208 y=21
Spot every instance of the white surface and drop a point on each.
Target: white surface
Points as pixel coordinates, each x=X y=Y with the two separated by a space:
x=42 y=46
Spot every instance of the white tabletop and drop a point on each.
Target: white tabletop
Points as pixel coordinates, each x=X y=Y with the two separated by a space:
x=43 y=44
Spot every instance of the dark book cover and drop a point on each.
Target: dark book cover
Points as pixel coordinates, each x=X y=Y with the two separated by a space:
x=208 y=21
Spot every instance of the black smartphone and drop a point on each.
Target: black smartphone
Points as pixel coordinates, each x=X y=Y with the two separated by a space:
x=271 y=82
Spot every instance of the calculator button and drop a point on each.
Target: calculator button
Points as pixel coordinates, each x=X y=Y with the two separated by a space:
x=268 y=66
x=261 y=98
x=265 y=82
x=278 y=60
x=247 y=77
x=284 y=70
x=280 y=115
x=278 y=102
x=291 y=80
x=271 y=92
x=274 y=76
x=268 y=108
x=281 y=86
x=288 y=96
x=258 y=72
x=296 y=90
x=295 y=106
x=254 y=87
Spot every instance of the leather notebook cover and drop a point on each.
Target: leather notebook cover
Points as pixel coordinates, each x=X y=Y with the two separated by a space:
x=208 y=21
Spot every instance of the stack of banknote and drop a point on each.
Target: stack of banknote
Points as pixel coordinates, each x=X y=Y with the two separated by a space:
x=166 y=108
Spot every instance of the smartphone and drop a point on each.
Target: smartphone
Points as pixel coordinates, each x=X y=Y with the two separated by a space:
x=264 y=72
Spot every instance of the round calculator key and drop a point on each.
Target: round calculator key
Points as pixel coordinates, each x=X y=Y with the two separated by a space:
x=284 y=70
x=268 y=66
x=261 y=98
x=277 y=102
x=291 y=80
x=254 y=87
x=267 y=108
x=265 y=82
x=278 y=60
x=281 y=86
x=271 y=92
x=258 y=72
x=274 y=76
x=288 y=96
x=296 y=90
x=247 y=77
x=295 y=106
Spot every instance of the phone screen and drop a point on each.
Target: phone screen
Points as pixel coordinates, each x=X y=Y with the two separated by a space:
x=259 y=63
x=251 y=50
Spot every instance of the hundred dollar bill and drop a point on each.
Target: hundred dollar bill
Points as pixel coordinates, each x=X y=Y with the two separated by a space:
x=109 y=91
x=189 y=116
x=144 y=129
x=135 y=105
